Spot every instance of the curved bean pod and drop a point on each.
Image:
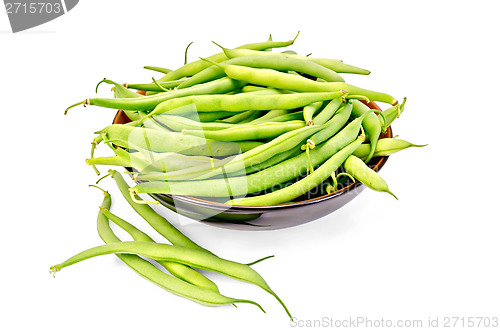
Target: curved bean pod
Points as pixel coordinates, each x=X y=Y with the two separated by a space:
x=385 y=147
x=330 y=109
x=310 y=110
x=120 y=90
x=391 y=113
x=370 y=178
x=333 y=125
x=371 y=124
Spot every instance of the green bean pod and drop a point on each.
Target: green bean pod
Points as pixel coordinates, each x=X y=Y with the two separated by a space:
x=333 y=125
x=370 y=178
x=150 y=272
x=249 y=132
x=332 y=64
x=371 y=124
x=285 y=81
x=164 y=252
x=165 y=141
x=304 y=185
x=241 y=102
x=385 y=147
x=328 y=111
x=148 y=103
x=391 y=113
x=310 y=110
x=178 y=270
x=121 y=91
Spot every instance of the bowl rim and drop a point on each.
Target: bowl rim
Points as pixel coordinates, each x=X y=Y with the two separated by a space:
x=120 y=114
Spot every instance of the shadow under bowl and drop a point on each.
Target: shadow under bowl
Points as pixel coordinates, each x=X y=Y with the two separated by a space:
x=305 y=209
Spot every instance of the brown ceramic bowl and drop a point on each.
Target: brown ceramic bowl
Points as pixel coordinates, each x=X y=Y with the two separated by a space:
x=305 y=209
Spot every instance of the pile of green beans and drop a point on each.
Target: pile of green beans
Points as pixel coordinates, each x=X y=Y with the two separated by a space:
x=254 y=125
x=245 y=121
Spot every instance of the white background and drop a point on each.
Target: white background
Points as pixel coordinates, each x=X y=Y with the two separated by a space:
x=433 y=253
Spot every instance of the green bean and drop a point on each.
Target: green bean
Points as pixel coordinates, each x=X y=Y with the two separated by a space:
x=391 y=113
x=304 y=185
x=370 y=178
x=310 y=110
x=154 y=87
x=120 y=90
x=148 y=271
x=148 y=103
x=333 y=125
x=123 y=92
x=328 y=111
x=385 y=147
x=249 y=132
x=178 y=270
x=259 y=181
x=332 y=64
x=371 y=124
x=241 y=102
x=165 y=141
x=285 y=81
x=192 y=68
x=109 y=160
x=164 y=252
